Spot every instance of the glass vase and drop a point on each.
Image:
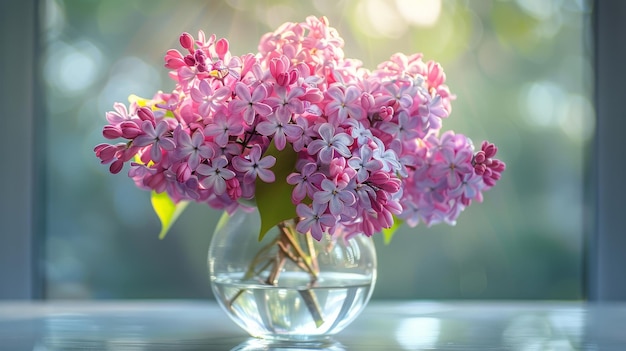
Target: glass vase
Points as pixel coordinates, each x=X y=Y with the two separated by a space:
x=289 y=286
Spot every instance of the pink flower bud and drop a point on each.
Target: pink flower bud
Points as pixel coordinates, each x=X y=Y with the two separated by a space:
x=391 y=186
x=111 y=132
x=145 y=114
x=98 y=148
x=488 y=172
x=489 y=149
x=221 y=48
x=233 y=188
x=199 y=56
x=498 y=166
x=293 y=76
x=130 y=130
x=378 y=177
x=106 y=152
x=436 y=77
x=279 y=66
x=489 y=181
x=172 y=53
x=282 y=79
x=386 y=113
x=367 y=101
x=186 y=41
x=174 y=59
x=189 y=60
x=174 y=63
x=479 y=157
x=116 y=166
x=183 y=172
x=479 y=169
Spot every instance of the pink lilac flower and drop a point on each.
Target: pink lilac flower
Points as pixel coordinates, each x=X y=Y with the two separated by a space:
x=120 y=114
x=369 y=144
x=279 y=128
x=344 y=103
x=209 y=100
x=314 y=220
x=406 y=127
x=250 y=104
x=280 y=69
x=336 y=196
x=388 y=158
x=361 y=134
x=113 y=154
x=308 y=134
x=330 y=142
x=223 y=127
x=470 y=188
x=216 y=175
x=364 y=163
x=192 y=149
x=254 y=165
x=401 y=96
x=130 y=129
x=486 y=165
x=432 y=110
x=286 y=103
x=305 y=183
x=156 y=137
x=455 y=164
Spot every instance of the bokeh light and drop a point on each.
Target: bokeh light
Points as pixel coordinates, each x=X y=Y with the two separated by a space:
x=423 y=13
x=418 y=333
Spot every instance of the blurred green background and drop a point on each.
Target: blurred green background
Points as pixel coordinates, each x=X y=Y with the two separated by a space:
x=521 y=71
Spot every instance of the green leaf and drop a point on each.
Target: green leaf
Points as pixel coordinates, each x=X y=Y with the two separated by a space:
x=167 y=210
x=274 y=199
x=151 y=103
x=389 y=232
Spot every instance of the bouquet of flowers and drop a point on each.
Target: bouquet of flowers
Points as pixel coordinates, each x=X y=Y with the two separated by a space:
x=300 y=131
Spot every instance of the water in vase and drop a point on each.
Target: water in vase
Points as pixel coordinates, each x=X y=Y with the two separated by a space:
x=295 y=310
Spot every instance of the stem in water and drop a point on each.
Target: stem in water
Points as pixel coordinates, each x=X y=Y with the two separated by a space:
x=289 y=245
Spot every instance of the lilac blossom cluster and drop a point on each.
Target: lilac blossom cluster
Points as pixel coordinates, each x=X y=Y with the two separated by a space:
x=369 y=144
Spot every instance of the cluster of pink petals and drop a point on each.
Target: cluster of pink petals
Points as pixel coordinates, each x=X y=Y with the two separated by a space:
x=368 y=142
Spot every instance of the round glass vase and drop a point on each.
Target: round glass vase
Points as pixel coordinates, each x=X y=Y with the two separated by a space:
x=289 y=286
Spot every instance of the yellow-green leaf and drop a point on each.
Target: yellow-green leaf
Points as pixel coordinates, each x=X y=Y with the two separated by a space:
x=167 y=210
x=274 y=199
x=141 y=102
x=389 y=232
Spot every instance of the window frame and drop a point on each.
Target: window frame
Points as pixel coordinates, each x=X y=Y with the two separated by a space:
x=21 y=215
x=606 y=245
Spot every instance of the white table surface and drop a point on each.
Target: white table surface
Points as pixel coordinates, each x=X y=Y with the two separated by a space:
x=384 y=325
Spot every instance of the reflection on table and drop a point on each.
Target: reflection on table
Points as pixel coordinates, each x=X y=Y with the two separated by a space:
x=402 y=325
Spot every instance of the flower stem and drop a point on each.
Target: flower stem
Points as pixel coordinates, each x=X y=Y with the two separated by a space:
x=252 y=271
x=279 y=263
x=289 y=233
x=312 y=253
x=274 y=256
x=310 y=300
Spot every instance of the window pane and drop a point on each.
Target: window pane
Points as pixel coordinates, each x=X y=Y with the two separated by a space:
x=520 y=70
